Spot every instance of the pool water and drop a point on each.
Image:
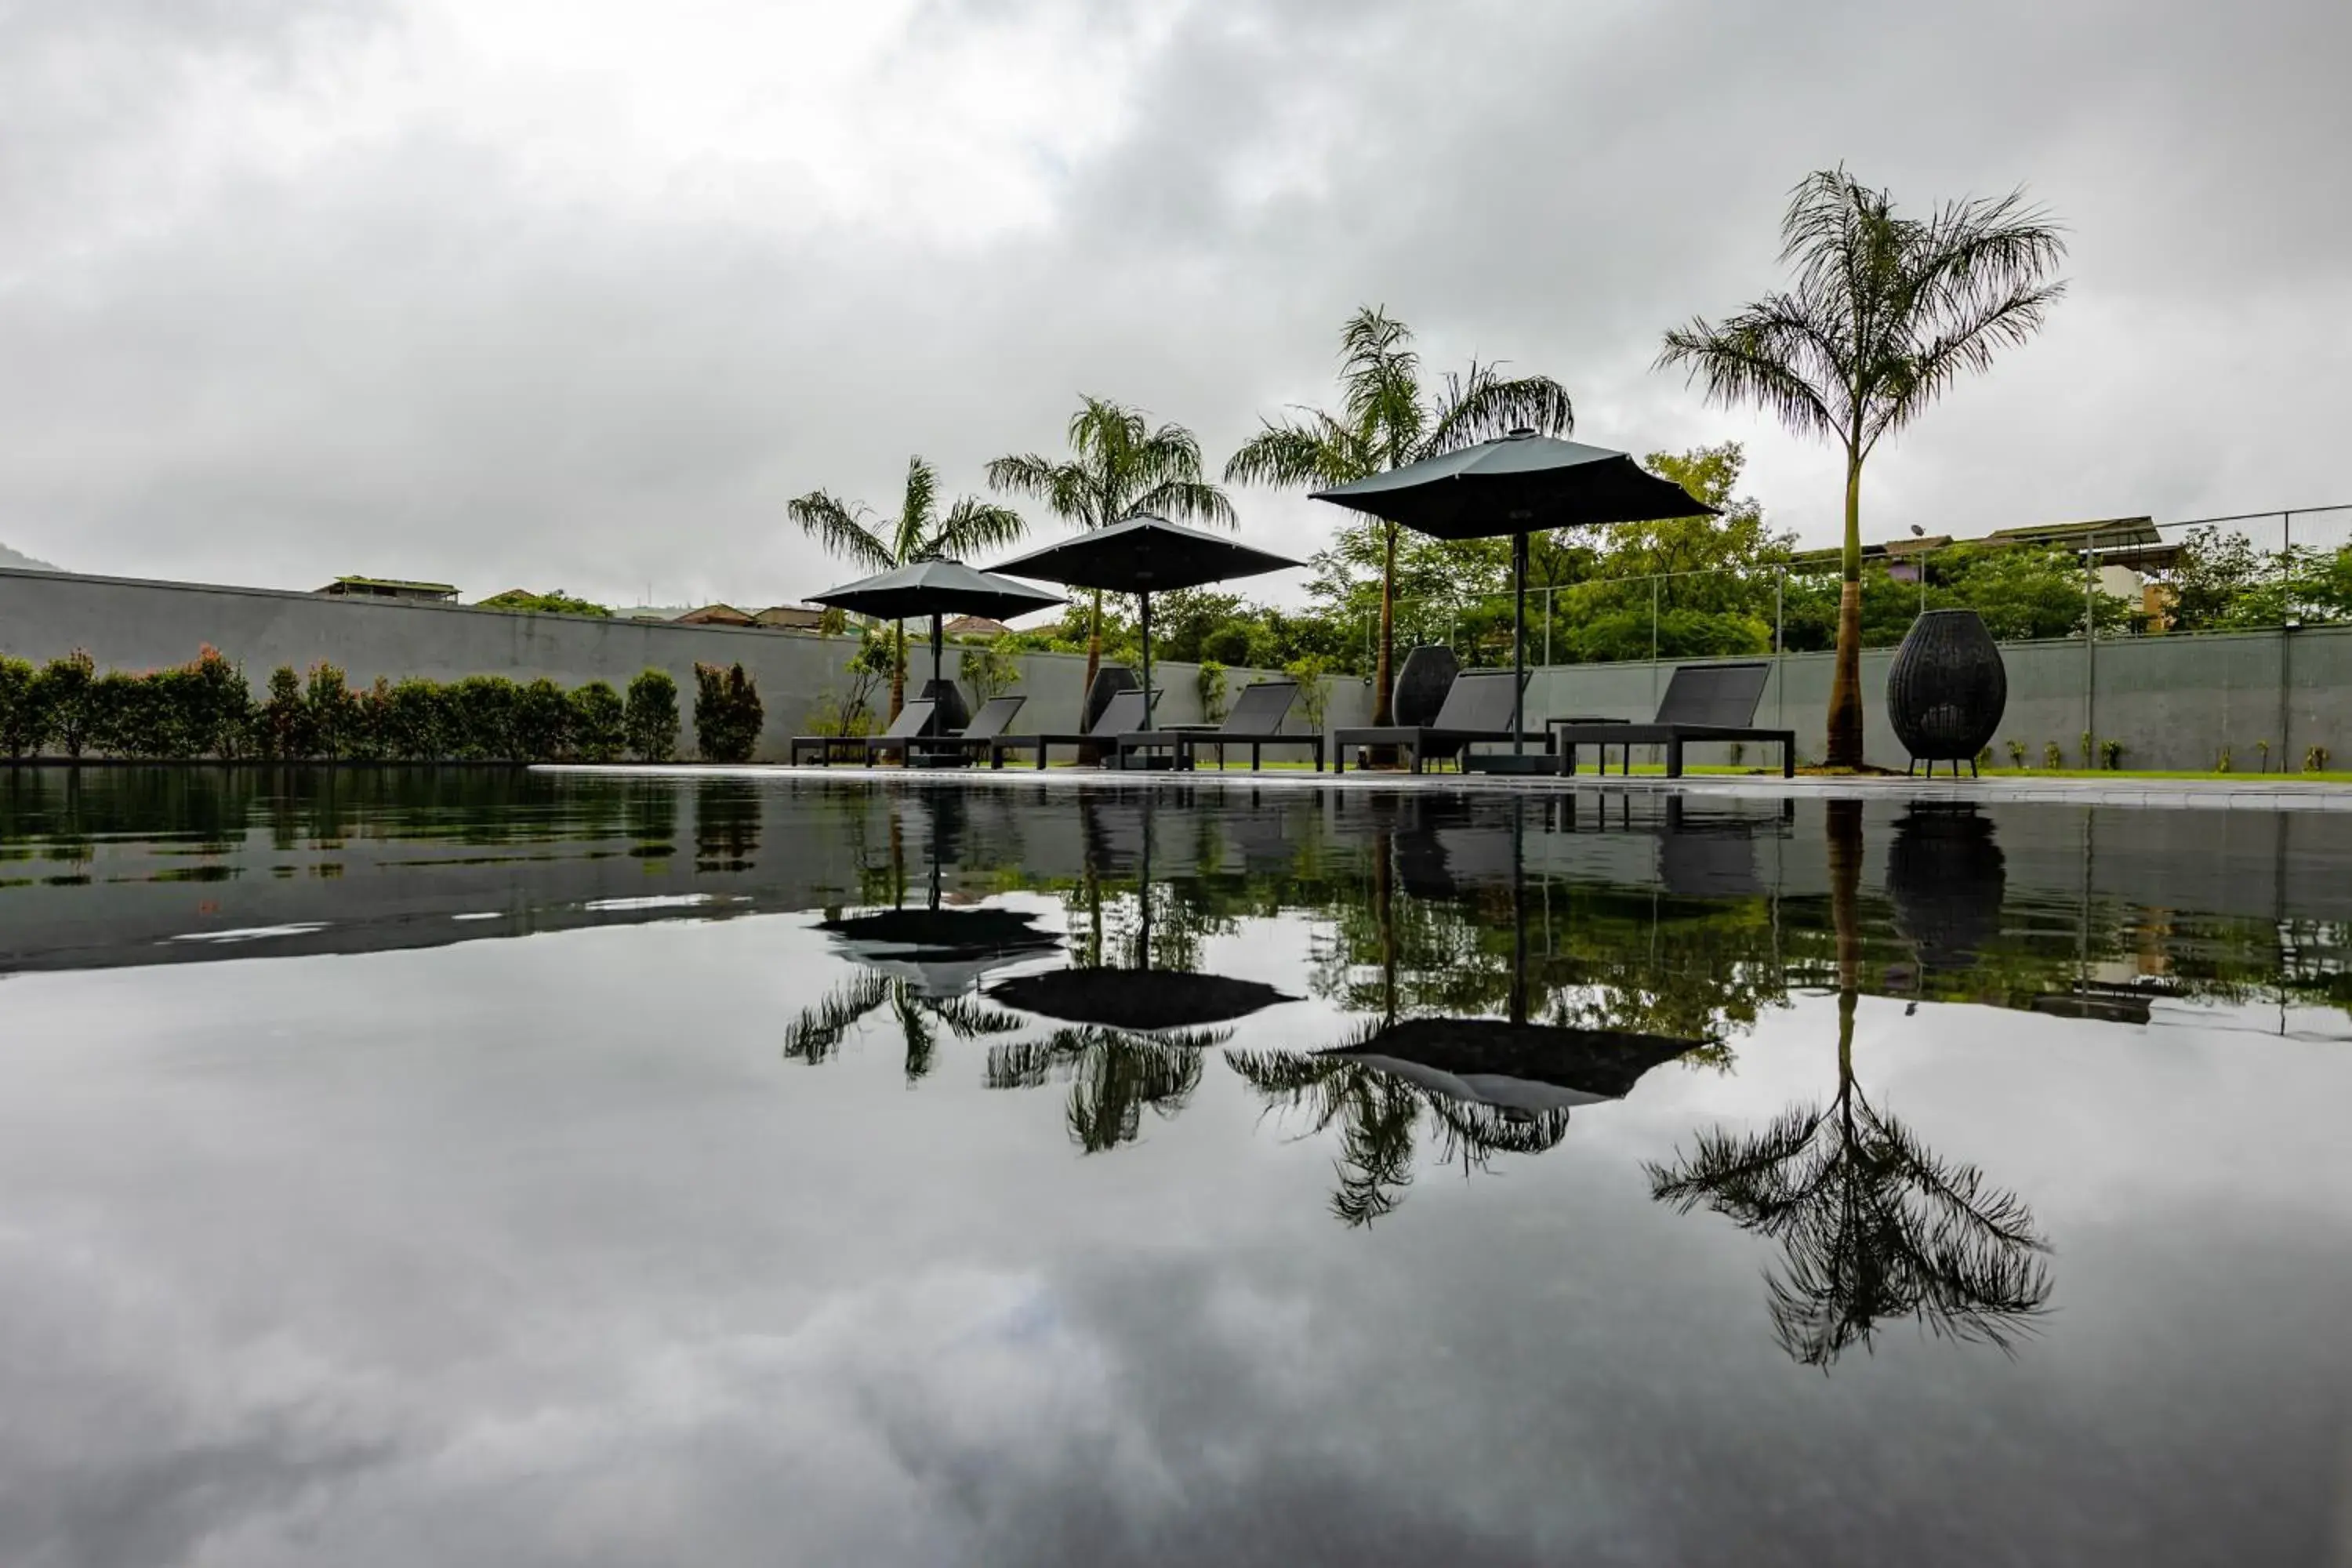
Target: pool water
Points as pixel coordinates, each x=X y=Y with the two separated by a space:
x=485 y=1168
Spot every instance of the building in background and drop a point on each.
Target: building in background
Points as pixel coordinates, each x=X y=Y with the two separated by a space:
x=716 y=615
x=791 y=618
x=389 y=588
x=975 y=626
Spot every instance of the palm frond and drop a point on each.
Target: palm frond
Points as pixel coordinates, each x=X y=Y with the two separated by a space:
x=1772 y=355
x=817 y=1034
x=967 y=1018
x=1482 y=404
x=973 y=525
x=1187 y=500
x=1061 y=486
x=915 y=507
x=843 y=528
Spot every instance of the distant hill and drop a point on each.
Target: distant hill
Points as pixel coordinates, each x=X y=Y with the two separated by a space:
x=17 y=558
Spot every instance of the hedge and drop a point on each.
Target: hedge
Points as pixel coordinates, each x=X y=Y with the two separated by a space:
x=727 y=713
x=205 y=708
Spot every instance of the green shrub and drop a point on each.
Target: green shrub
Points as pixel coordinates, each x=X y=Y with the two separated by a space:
x=599 y=722
x=480 y=715
x=1211 y=680
x=650 y=719
x=62 y=695
x=728 y=714
x=413 y=721
x=987 y=669
x=1309 y=673
x=217 y=705
x=119 y=716
x=332 y=711
x=23 y=725
x=283 y=725
x=543 y=722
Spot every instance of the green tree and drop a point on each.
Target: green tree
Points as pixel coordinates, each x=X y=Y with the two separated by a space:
x=1386 y=420
x=61 y=694
x=919 y=532
x=1120 y=465
x=555 y=601
x=1885 y=313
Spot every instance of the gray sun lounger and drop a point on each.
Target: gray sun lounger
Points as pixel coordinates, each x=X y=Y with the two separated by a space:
x=1707 y=702
x=1119 y=715
x=994 y=716
x=1255 y=722
x=1477 y=708
x=910 y=719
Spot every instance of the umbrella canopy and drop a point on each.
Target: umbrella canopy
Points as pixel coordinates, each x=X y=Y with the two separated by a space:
x=935 y=588
x=1521 y=1067
x=1517 y=484
x=941 y=952
x=1136 y=1001
x=1145 y=555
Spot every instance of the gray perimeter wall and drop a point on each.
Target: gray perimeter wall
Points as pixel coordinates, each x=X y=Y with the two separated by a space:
x=2173 y=702
x=130 y=624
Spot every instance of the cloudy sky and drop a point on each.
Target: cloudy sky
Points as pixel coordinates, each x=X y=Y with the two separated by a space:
x=579 y=293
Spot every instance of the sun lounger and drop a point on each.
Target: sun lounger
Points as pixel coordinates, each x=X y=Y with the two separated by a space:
x=1121 y=714
x=910 y=719
x=1477 y=708
x=994 y=716
x=1255 y=722
x=1704 y=702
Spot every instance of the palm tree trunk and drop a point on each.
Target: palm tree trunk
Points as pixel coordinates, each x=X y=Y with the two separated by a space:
x=897 y=668
x=1090 y=754
x=1845 y=749
x=1384 y=711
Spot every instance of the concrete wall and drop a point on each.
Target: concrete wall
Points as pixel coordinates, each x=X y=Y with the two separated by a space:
x=131 y=623
x=2173 y=702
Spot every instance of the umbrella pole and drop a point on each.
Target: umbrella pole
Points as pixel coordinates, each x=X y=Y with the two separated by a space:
x=1518 y=643
x=938 y=674
x=1146 y=598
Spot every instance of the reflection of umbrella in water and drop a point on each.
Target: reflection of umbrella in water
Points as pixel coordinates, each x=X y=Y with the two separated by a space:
x=939 y=951
x=921 y=963
x=1493 y=1085
x=1516 y=485
x=1520 y=1070
x=1142 y=1000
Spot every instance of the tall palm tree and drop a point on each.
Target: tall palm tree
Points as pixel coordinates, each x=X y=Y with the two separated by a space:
x=1885 y=313
x=1386 y=420
x=1119 y=465
x=919 y=532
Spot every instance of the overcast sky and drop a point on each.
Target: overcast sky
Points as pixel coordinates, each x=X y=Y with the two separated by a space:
x=579 y=293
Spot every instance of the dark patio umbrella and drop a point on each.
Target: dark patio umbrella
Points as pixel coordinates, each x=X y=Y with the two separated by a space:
x=935 y=588
x=1517 y=484
x=1143 y=556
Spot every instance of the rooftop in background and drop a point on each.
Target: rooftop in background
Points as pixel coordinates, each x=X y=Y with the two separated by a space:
x=791 y=618
x=974 y=626
x=388 y=588
x=716 y=615
x=2129 y=541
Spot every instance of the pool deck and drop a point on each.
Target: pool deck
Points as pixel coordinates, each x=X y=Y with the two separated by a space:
x=2251 y=794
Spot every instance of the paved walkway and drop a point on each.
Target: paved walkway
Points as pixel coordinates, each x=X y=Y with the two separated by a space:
x=2251 y=794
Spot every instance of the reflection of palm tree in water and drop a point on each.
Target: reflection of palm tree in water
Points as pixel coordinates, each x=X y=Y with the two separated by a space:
x=816 y=1036
x=1114 y=1076
x=1873 y=1224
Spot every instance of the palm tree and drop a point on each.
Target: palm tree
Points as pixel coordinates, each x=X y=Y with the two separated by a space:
x=1119 y=466
x=917 y=533
x=1885 y=312
x=1386 y=420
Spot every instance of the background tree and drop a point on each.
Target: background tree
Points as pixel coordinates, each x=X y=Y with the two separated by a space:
x=1386 y=420
x=1885 y=313
x=919 y=532
x=1119 y=465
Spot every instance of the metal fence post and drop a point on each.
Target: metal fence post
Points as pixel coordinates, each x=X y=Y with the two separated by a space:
x=1549 y=593
x=2090 y=651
